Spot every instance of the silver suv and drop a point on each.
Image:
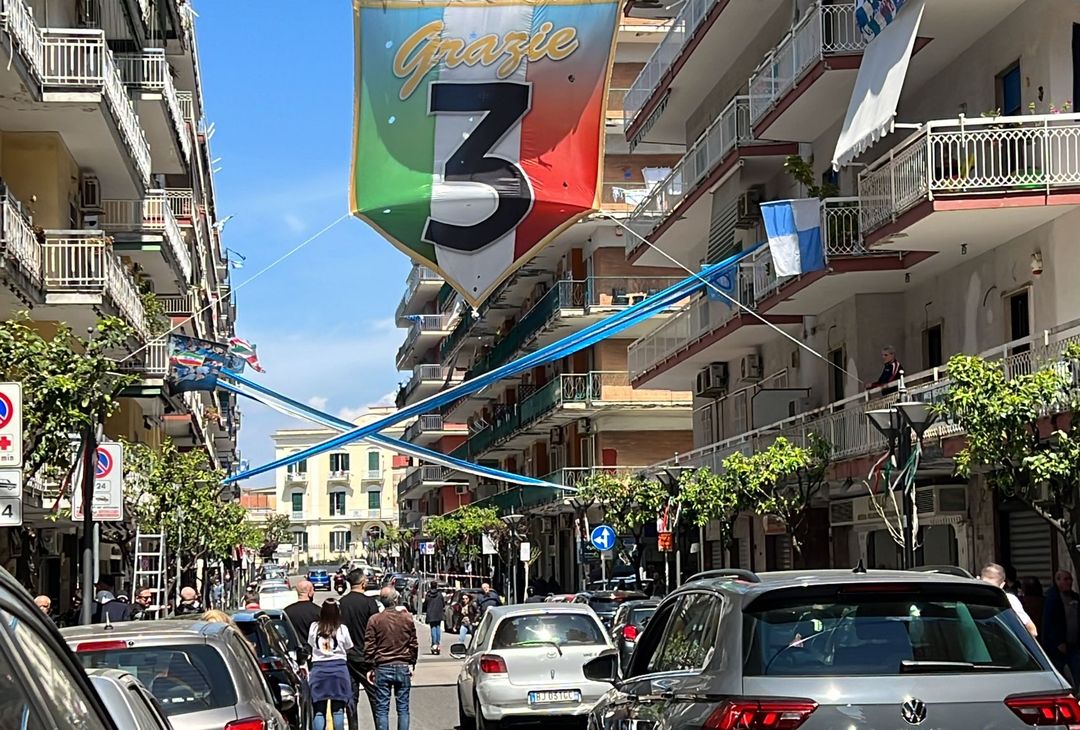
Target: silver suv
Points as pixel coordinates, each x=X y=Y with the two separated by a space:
x=205 y=675
x=833 y=649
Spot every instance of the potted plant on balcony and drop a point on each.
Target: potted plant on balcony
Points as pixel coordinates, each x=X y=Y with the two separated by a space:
x=802 y=172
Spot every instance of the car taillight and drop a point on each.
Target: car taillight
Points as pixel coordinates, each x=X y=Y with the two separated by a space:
x=112 y=645
x=761 y=714
x=271 y=665
x=629 y=632
x=1041 y=710
x=250 y=723
x=491 y=664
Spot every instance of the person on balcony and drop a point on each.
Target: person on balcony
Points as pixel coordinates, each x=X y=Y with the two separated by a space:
x=890 y=371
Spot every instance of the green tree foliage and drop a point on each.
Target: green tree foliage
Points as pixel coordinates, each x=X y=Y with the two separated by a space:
x=629 y=503
x=276 y=530
x=710 y=497
x=458 y=535
x=1022 y=434
x=68 y=382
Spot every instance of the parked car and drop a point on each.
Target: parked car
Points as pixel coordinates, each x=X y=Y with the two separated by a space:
x=629 y=621
x=320 y=579
x=606 y=603
x=275 y=595
x=297 y=647
x=129 y=703
x=278 y=666
x=205 y=675
x=41 y=683
x=835 y=649
x=525 y=662
x=560 y=598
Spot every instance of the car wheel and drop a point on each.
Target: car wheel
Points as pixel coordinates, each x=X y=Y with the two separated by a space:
x=482 y=723
x=464 y=721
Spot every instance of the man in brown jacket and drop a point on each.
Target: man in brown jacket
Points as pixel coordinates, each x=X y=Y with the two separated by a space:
x=391 y=646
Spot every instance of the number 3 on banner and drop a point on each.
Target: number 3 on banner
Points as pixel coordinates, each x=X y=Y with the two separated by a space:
x=504 y=104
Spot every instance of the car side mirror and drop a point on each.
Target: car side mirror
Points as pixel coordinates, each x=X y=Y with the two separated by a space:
x=458 y=651
x=288 y=698
x=604 y=668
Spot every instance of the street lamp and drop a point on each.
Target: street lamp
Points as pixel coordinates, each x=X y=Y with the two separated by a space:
x=896 y=424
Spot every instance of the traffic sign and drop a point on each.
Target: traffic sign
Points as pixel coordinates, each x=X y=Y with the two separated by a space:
x=427 y=548
x=602 y=537
x=11 y=433
x=108 y=498
x=10 y=511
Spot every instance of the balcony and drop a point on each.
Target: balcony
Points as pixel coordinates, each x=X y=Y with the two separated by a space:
x=152 y=362
x=21 y=251
x=427 y=380
x=296 y=515
x=139 y=227
x=338 y=475
x=421 y=288
x=150 y=78
x=430 y=427
x=388 y=515
x=670 y=206
x=80 y=268
x=371 y=474
x=545 y=500
x=616 y=117
x=803 y=86
x=296 y=477
x=68 y=69
x=422 y=479
x=991 y=179
x=706 y=35
x=426 y=330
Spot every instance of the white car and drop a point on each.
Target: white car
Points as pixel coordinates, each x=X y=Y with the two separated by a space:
x=526 y=662
x=275 y=595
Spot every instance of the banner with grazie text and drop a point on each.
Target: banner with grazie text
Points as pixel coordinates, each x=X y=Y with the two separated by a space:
x=479 y=128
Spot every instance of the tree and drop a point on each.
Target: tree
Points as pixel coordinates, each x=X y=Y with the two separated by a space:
x=458 y=535
x=711 y=497
x=69 y=384
x=786 y=478
x=276 y=530
x=629 y=504
x=1022 y=434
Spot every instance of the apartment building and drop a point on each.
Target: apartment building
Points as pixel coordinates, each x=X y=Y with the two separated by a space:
x=108 y=209
x=951 y=234
x=338 y=502
x=566 y=419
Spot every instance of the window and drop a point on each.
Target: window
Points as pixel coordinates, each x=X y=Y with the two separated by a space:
x=690 y=639
x=927 y=629
x=836 y=375
x=297 y=499
x=297 y=469
x=339 y=462
x=299 y=539
x=1009 y=94
x=567 y=629
x=373 y=461
x=373 y=499
x=339 y=541
x=337 y=504
x=932 y=355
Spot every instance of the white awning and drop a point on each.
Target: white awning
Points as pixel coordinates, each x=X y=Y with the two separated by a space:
x=884 y=66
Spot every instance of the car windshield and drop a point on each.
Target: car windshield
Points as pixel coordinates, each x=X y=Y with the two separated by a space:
x=885 y=633
x=274 y=588
x=603 y=605
x=639 y=615
x=562 y=629
x=184 y=678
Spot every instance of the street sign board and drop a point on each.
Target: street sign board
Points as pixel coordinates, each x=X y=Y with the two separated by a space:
x=11 y=432
x=11 y=511
x=488 y=544
x=427 y=548
x=108 y=498
x=526 y=552
x=602 y=537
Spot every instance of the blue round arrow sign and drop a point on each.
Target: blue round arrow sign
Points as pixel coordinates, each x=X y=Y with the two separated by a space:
x=602 y=537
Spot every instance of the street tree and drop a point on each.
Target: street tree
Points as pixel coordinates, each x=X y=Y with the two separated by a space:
x=1022 y=435
x=786 y=478
x=709 y=497
x=458 y=535
x=275 y=531
x=629 y=504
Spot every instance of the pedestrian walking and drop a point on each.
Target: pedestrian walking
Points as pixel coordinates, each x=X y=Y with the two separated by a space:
x=329 y=678
x=189 y=602
x=391 y=647
x=304 y=611
x=470 y=617
x=217 y=594
x=1061 y=625
x=434 y=610
x=994 y=574
x=357 y=608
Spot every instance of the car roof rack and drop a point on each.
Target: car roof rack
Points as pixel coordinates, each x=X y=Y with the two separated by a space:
x=953 y=570
x=748 y=576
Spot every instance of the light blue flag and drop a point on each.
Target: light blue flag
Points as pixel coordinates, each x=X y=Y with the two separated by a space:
x=794 y=231
x=725 y=280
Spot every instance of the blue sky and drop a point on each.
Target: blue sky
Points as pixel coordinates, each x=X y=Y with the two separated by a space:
x=278 y=83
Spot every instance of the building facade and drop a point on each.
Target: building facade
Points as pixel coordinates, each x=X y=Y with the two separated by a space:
x=109 y=209
x=339 y=502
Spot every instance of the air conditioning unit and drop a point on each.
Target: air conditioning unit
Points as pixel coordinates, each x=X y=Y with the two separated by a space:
x=749 y=210
x=712 y=382
x=91 y=221
x=91 y=193
x=556 y=436
x=750 y=368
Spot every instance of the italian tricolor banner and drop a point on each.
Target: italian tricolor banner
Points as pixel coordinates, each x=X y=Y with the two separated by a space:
x=479 y=128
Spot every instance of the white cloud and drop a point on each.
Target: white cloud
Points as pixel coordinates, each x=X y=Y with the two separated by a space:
x=295 y=223
x=351 y=414
x=318 y=402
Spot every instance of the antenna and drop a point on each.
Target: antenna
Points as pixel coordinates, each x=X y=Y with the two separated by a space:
x=859 y=568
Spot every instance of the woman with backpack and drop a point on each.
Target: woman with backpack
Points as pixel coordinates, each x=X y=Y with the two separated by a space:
x=329 y=677
x=434 y=609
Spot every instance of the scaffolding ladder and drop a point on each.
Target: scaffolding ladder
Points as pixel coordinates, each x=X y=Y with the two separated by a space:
x=150 y=573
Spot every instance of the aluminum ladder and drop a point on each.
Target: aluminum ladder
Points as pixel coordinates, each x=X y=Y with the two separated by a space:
x=150 y=569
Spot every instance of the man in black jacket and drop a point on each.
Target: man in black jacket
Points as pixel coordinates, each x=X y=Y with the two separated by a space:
x=434 y=609
x=356 y=610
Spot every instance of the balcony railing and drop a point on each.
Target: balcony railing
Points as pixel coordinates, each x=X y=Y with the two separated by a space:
x=296 y=515
x=152 y=213
x=972 y=156
x=431 y=423
x=338 y=475
x=428 y=473
x=152 y=361
x=421 y=324
x=182 y=203
x=84 y=262
x=825 y=30
x=149 y=70
x=417 y=276
x=573 y=476
x=296 y=476
x=843 y=424
x=373 y=473
x=178 y=305
x=622 y=196
x=186 y=102
x=20 y=244
x=730 y=128
x=682 y=28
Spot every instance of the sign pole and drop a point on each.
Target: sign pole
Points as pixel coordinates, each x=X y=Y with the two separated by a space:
x=89 y=456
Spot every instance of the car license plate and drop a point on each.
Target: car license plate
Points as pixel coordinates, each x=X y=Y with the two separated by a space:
x=549 y=696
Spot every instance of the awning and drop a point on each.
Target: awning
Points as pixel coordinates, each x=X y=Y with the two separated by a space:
x=881 y=77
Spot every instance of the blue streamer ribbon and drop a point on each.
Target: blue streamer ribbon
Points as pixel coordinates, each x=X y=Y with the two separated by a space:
x=568 y=345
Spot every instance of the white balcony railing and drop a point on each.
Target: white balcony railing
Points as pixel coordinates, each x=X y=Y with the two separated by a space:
x=681 y=30
x=152 y=213
x=149 y=70
x=297 y=515
x=824 y=30
x=730 y=128
x=971 y=156
x=152 y=361
x=424 y=324
x=418 y=275
x=20 y=243
x=83 y=261
x=339 y=475
x=182 y=203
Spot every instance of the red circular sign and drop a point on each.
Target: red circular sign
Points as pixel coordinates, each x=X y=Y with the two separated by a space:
x=103 y=464
x=7 y=410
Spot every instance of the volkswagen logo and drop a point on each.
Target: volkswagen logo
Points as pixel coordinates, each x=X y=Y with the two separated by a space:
x=913 y=711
